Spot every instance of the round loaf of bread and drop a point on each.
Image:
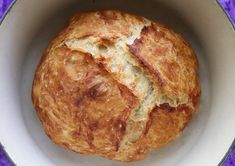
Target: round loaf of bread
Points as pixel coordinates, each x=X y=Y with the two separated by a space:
x=115 y=85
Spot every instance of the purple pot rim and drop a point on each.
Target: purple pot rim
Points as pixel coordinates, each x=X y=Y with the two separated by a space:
x=8 y=9
x=228 y=15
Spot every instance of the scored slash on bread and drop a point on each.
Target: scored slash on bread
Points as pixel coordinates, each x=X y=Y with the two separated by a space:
x=116 y=85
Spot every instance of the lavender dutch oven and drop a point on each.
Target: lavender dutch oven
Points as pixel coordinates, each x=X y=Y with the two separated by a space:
x=31 y=24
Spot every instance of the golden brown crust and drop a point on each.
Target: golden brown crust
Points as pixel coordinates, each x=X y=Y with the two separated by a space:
x=166 y=123
x=115 y=85
x=170 y=59
x=71 y=87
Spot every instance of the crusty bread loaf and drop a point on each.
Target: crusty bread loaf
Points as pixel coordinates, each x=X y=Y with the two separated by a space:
x=116 y=85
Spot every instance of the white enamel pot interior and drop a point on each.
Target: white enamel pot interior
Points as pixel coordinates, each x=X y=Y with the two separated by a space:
x=30 y=25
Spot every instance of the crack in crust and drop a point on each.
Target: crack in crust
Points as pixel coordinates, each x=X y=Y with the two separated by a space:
x=116 y=85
